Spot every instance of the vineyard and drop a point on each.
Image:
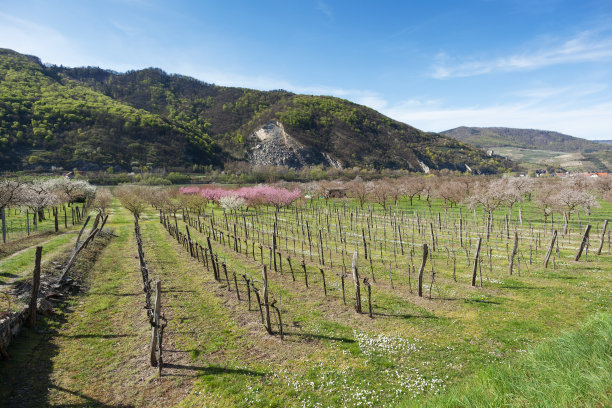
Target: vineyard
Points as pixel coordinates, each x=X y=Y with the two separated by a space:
x=387 y=293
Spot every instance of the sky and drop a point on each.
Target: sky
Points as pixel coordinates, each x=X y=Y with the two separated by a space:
x=435 y=65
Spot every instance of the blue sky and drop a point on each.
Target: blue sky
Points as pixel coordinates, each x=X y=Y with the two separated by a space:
x=432 y=64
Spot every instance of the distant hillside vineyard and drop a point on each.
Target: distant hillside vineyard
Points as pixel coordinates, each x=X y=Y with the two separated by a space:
x=525 y=138
x=90 y=118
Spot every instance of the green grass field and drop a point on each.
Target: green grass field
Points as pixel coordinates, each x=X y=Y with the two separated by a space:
x=501 y=343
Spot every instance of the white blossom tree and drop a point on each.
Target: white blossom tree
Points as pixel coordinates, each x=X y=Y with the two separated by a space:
x=11 y=193
x=231 y=202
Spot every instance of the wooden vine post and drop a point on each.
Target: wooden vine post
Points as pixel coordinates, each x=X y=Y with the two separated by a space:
x=155 y=324
x=550 y=249
x=514 y=250
x=365 y=246
x=585 y=238
x=476 y=257
x=35 y=288
x=266 y=303
x=215 y=271
x=366 y=283
x=422 y=269
x=603 y=237
x=305 y=273
x=357 y=287
x=274 y=246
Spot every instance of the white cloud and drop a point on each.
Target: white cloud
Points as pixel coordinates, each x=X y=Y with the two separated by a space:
x=584 y=47
x=31 y=38
x=324 y=8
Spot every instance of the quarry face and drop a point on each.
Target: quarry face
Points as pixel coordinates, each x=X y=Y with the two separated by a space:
x=272 y=146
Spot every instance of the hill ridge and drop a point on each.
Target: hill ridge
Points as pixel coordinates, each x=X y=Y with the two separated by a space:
x=92 y=118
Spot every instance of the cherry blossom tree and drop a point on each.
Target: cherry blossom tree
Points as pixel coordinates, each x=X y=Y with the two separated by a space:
x=70 y=191
x=231 y=202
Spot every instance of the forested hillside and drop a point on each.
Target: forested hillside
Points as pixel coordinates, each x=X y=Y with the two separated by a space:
x=47 y=119
x=90 y=118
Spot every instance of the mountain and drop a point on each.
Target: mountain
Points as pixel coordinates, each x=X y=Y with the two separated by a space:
x=484 y=137
x=604 y=141
x=538 y=147
x=91 y=118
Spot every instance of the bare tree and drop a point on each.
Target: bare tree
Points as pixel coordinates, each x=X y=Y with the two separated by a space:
x=359 y=190
x=429 y=186
x=132 y=198
x=569 y=199
x=489 y=195
x=380 y=192
x=397 y=189
x=603 y=185
x=545 y=198
x=102 y=200
x=411 y=186
x=451 y=191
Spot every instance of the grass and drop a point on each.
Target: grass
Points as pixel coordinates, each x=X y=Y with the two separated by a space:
x=571 y=370
x=17 y=265
x=413 y=351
